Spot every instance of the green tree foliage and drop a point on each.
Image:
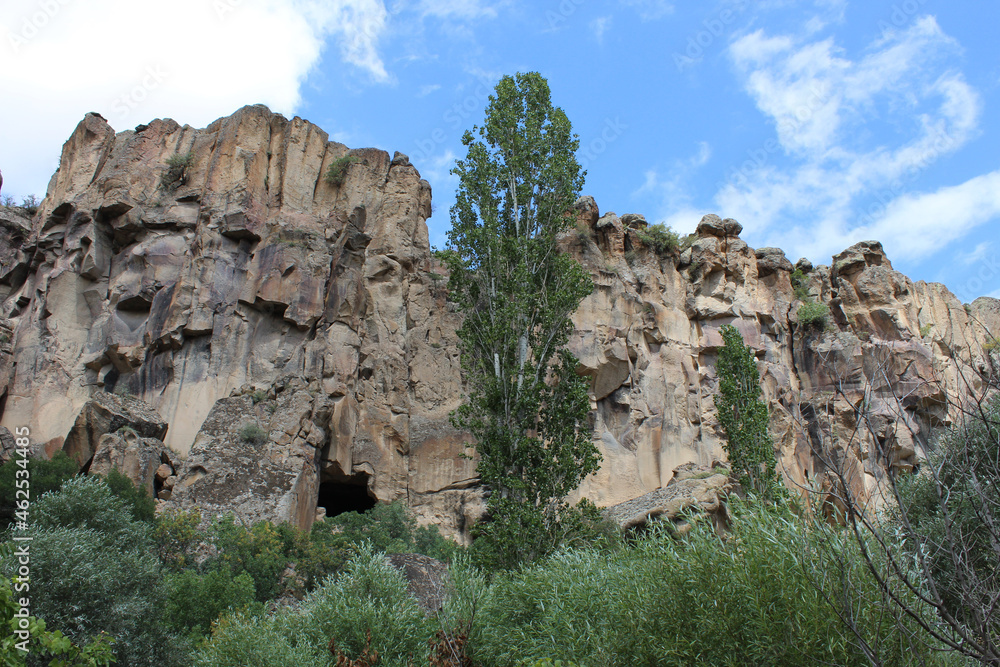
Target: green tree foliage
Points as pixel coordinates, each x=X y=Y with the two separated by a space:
x=142 y=507
x=194 y=600
x=813 y=314
x=93 y=571
x=744 y=416
x=369 y=595
x=45 y=475
x=526 y=407
x=337 y=171
x=22 y=635
x=660 y=238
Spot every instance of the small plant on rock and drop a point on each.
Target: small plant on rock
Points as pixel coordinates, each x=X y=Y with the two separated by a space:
x=337 y=171
x=176 y=173
x=659 y=237
x=253 y=434
x=813 y=315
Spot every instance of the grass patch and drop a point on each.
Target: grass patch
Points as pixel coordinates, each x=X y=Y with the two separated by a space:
x=253 y=434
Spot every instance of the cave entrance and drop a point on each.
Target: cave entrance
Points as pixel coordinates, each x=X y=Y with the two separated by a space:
x=345 y=493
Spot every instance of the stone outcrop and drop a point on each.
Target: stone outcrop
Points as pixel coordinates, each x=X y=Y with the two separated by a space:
x=692 y=490
x=216 y=275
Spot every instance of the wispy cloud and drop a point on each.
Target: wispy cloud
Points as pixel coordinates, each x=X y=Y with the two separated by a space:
x=671 y=188
x=599 y=26
x=428 y=89
x=827 y=181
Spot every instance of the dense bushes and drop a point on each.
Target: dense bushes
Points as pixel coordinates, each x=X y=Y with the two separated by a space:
x=659 y=237
x=368 y=596
x=775 y=590
x=45 y=475
x=748 y=599
x=93 y=570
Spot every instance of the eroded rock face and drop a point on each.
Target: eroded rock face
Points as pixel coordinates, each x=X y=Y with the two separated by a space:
x=216 y=275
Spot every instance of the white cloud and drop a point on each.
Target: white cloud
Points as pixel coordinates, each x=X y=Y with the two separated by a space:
x=428 y=89
x=919 y=225
x=192 y=60
x=850 y=137
x=461 y=9
x=599 y=26
x=976 y=254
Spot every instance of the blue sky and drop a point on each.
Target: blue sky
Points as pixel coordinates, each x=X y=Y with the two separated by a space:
x=816 y=124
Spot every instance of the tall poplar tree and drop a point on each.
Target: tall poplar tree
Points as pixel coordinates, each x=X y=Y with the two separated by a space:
x=744 y=416
x=526 y=406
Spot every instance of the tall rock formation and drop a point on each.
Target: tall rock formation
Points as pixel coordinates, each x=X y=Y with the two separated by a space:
x=296 y=336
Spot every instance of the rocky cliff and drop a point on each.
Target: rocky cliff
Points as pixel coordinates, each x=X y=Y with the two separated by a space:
x=295 y=338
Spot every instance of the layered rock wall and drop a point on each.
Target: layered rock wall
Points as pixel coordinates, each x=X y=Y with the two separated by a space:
x=216 y=275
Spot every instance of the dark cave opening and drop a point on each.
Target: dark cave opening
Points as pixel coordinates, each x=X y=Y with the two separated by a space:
x=345 y=494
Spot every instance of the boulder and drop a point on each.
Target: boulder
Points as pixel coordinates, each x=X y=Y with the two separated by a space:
x=107 y=413
x=146 y=461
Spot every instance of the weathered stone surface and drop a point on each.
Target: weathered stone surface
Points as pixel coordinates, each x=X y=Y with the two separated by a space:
x=770 y=260
x=248 y=288
x=713 y=225
x=146 y=461
x=106 y=414
x=258 y=459
x=692 y=489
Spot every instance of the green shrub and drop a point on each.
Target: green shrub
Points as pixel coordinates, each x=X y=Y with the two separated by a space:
x=926 y=329
x=800 y=285
x=944 y=516
x=258 y=551
x=41 y=642
x=93 y=571
x=194 y=600
x=142 y=507
x=814 y=315
x=88 y=503
x=368 y=595
x=659 y=237
x=176 y=534
x=258 y=395
x=30 y=204
x=251 y=639
x=45 y=476
x=252 y=433
x=337 y=171
x=750 y=599
x=177 y=166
